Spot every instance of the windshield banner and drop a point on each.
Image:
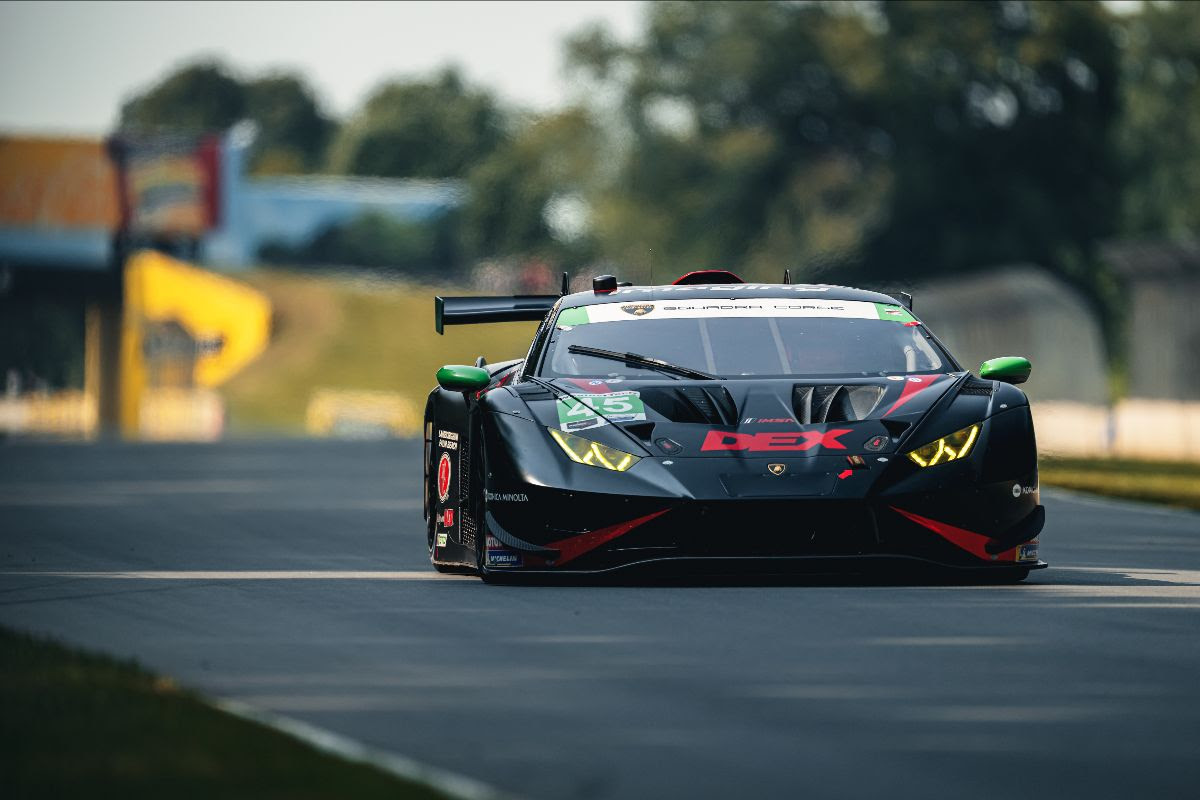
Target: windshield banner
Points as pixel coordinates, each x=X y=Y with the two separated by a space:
x=732 y=307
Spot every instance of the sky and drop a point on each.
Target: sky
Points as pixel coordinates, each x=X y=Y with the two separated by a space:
x=66 y=67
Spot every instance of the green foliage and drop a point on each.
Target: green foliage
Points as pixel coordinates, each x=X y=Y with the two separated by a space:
x=527 y=197
x=293 y=131
x=892 y=142
x=1159 y=132
x=438 y=128
x=41 y=340
x=197 y=97
x=377 y=241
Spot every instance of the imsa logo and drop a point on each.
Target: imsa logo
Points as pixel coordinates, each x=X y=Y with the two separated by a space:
x=638 y=309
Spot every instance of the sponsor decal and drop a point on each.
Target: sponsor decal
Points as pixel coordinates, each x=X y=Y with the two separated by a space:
x=503 y=558
x=856 y=461
x=777 y=469
x=448 y=440
x=448 y=435
x=1028 y=551
x=668 y=446
x=876 y=443
x=443 y=477
x=895 y=377
x=507 y=497
x=768 y=420
x=758 y=442
x=441 y=539
x=594 y=410
x=1019 y=490
x=894 y=313
x=638 y=309
x=448 y=518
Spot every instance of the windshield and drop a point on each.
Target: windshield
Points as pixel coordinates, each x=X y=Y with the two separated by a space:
x=745 y=338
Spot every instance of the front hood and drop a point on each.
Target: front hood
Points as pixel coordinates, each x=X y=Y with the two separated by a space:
x=744 y=418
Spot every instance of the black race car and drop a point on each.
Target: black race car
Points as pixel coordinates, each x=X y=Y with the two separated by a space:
x=717 y=423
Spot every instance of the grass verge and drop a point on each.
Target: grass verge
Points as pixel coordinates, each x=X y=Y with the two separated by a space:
x=76 y=724
x=1171 y=483
x=351 y=332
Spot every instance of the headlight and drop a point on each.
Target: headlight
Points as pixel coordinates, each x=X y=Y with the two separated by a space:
x=947 y=448
x=594 y=454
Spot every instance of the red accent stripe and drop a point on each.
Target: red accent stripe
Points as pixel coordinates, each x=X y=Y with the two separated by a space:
x=573 y=547
x=970 y=541
x=913 y=385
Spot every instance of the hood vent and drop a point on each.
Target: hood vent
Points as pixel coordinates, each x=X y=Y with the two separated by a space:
x=709 y=406
x=834 y=403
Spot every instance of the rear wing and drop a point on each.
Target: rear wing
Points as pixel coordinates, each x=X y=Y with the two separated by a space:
x=474 y=310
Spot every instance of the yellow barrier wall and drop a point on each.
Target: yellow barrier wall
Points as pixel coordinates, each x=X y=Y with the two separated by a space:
x=230 y=322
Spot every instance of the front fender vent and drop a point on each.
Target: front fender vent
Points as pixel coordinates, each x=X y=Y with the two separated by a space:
x=977 y=388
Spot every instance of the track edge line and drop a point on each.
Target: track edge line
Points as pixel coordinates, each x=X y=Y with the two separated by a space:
x=449 y=783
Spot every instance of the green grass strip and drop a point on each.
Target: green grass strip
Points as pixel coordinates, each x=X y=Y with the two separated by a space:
x=75 y=724
x=1173 y=484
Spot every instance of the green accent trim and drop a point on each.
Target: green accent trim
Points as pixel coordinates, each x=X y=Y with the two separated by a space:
x=573 y=316
x=894 y=313
x=460 y=378
x=1010 y=369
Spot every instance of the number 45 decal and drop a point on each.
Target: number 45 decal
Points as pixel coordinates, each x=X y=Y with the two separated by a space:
x=593 y=410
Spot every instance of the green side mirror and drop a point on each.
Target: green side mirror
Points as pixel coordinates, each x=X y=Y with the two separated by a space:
x=458 y=378
x=1010 y=369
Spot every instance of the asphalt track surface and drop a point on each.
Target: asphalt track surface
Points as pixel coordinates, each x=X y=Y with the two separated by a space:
x=293 y=576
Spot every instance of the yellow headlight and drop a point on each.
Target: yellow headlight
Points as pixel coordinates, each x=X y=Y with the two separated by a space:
x=947 y=448
x=594 y=454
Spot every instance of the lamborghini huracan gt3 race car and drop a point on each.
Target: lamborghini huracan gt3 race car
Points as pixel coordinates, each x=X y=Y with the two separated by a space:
x=717 y=423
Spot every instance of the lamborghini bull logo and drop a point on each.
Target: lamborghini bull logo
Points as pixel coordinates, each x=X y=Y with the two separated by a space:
x=638 y=309
x=774 y=441
x=777 y=469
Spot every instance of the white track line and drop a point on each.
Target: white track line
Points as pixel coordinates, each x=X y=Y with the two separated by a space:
x=452 y=784
x=244 y=575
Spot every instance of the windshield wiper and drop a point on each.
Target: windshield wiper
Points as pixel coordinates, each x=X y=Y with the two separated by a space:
x=641 y=361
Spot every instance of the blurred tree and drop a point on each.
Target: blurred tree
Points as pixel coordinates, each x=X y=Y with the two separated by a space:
x=294 y=133
x=293 y=130
x=892 y=141
x=197 y=97
x=376 y=241
x=1159 y=132
x=528 y=196
x=438 y=128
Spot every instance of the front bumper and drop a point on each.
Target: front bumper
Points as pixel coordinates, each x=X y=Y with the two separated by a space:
x=595 y=533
